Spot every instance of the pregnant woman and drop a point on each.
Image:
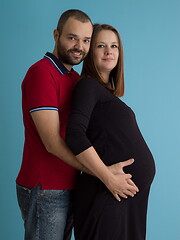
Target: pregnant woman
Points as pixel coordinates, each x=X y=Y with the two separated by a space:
x=102 y=131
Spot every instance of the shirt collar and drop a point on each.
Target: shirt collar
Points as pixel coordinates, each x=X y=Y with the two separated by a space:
x=56 y=62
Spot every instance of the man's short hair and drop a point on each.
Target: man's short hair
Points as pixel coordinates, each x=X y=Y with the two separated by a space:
x=74 y=13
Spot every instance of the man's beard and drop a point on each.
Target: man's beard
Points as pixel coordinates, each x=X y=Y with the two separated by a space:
x=66 y=57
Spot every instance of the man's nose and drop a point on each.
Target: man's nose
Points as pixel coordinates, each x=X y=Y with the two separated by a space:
x=79 y=45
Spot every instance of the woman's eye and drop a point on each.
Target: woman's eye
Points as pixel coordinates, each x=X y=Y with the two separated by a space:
x=100 y=46
x=114 y=46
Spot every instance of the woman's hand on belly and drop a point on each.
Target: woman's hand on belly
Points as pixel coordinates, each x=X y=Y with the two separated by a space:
x=121 y=185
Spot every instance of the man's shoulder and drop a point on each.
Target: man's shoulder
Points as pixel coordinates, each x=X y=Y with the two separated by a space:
x=43 y=68
x=37 y=72
x=45 y=65
x=41 y=64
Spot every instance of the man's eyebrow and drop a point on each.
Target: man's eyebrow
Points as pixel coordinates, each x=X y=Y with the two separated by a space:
x=75 y=35
x=72 y=34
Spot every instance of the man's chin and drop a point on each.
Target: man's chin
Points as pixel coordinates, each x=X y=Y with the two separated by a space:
x=77 y=61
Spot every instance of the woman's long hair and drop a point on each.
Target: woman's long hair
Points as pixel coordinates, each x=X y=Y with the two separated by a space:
x=117 y=74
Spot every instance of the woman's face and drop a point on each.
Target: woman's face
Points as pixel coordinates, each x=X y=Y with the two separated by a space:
x=106 y=52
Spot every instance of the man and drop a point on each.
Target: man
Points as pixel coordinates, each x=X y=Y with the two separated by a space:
x=47 y=175
x=46 y=98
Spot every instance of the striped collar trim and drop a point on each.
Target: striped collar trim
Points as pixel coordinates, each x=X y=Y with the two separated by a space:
x=56 y=62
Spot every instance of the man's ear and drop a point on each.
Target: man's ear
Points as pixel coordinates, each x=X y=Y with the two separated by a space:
x=56 y=35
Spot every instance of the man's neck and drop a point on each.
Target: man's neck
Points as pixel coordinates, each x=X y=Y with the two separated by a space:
x=69 y=67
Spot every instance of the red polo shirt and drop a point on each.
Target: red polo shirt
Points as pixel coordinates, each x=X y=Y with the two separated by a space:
x=48 y=85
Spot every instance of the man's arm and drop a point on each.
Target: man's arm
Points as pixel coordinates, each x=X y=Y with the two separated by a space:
x=48 y=126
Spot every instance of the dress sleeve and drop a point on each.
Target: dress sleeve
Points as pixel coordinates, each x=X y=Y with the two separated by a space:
x=85 y=98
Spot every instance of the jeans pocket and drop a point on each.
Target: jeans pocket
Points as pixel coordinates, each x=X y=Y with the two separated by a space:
x=59 y=198
x=23 y=197
x=52 y=193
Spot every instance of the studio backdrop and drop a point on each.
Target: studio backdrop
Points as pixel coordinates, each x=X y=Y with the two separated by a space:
x=150 y=32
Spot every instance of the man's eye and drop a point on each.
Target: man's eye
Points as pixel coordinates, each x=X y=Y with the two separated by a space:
x=72 y=38
x=87 y=41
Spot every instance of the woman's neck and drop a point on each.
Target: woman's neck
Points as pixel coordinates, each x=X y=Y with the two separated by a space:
x=105 y=77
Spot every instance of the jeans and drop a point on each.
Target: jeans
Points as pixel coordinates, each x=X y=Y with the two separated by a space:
x=45 y=213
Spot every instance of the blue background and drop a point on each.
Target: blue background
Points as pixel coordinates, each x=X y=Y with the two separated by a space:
x=150 y=31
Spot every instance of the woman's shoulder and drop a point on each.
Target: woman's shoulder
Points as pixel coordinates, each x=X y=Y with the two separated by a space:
x=89 y=82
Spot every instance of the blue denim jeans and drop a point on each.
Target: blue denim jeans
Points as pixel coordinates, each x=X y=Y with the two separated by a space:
x=45 y=213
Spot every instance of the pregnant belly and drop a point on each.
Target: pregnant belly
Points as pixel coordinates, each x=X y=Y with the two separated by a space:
x=143 y=168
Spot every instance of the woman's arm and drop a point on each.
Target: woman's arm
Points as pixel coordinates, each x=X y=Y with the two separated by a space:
x=86 y=96
x=116 y=183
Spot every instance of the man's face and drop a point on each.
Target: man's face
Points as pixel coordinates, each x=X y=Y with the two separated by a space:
x=74 y=42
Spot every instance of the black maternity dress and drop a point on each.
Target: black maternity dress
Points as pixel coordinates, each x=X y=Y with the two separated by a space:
x=101 y=120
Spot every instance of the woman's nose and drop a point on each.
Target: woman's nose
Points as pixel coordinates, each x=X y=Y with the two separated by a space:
x=108 y=51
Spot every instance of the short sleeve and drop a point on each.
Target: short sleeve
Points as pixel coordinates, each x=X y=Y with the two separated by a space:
x=85 y=98
x=40 y=90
